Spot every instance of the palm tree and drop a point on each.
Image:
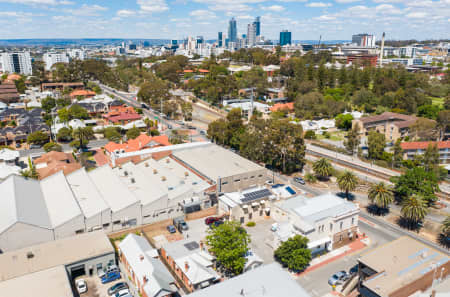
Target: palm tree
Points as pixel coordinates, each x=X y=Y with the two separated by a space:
x=414 y=209
x=83 y=135
x=322 y=168
x=445 y=228
x=381 y=195
x=347 y=182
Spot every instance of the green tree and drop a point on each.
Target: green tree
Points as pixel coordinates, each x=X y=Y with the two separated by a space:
x=294 y=253
x=428 y=111
x=352 y=141
x=37 y=137
x=229 y=243
x=416 y=181
x=64 y=115
x=133 y=133
x=52 y=146
x=414 y=209
x=322 y=168
x=344 y=121
x=64 y=134
x=397 y=153
x=81 y=137
x=310 y=134
x=112 y=134
x=31 y=172
x=48 y=104
x=77 y=112
x=153 y=91
x=381 y=195
x=445 y=228
x=177 y=138
x=376 y=143
x=431 y=158
x=187 y=109
x=347 y=182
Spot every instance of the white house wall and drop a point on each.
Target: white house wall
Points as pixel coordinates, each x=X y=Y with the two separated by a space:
x=98 y=221
x=70 y=228
x=132 y=212
x=21 y=235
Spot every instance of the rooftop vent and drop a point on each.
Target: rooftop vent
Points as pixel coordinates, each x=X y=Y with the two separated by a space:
x=141 y=257
x=163 y=178
x=30 y=255
x=155 y=171
x=133 y=181
x=125 y=173
x=186 y=173
x=146 y=164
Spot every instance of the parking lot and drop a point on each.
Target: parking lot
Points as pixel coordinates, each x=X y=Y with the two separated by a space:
x=95 y=286
x=261 y=240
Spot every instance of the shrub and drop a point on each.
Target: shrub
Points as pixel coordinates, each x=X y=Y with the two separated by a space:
x=310 y=178
x=310 y=134
x=251 y=224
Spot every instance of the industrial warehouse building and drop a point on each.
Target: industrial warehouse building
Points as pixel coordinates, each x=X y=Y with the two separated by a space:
x=52 y=265
x=168 y=182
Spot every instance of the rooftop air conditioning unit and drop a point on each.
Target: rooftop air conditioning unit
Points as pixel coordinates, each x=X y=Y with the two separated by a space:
x=163 y=178
x=133 y=181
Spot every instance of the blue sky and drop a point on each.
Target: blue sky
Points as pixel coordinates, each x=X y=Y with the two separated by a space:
x=307 y=19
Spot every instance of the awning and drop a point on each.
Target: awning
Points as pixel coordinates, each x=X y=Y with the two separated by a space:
x=267 y=209
x=318 y=242
x=244 y=206
x=262 y=201
x=254 y=204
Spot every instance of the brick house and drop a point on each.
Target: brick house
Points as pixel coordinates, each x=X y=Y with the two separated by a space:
x=411 y=149
x=144 y=269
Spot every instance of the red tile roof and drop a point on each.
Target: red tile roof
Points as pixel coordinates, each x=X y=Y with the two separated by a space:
x=203 y=71
x=53 y=162
x=188 y=71
x=138 y=143
x=82 y=93
x=281 y=106
x=124 y=117
x=424 y=145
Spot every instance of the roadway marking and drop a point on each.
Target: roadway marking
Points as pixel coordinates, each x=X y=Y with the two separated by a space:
x=367 y=222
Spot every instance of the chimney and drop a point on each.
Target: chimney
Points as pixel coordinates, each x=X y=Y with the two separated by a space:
x=145 y=279
x=242 y=292
x=186 y=266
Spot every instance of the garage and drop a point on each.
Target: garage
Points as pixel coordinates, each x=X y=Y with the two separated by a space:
x=77 y=271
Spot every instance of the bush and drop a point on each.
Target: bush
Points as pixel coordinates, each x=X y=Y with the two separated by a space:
x=310 y=178
x=251 y=224
x=52 y=146
x=326 y=134
x=310 y=134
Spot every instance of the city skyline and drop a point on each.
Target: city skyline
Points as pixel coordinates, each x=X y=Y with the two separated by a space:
x=306 y=19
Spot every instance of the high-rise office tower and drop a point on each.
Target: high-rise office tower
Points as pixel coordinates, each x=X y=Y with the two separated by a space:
x=219 y=39
x=251 y=34
x=257 y=24
x=52 y=58
x=285 y=37
x=16 y=63
x=364 y=40
x=232 y=30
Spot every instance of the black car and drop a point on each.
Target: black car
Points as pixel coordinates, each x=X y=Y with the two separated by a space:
x=117 y=287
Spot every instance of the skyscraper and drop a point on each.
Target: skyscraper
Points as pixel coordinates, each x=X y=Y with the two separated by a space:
x=232 y=30
x=285 y=37
x=364 y=40
x=219 y=39
x=251 y=34
x=257 y=24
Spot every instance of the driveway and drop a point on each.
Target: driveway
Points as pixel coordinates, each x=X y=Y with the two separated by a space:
x=261 y=237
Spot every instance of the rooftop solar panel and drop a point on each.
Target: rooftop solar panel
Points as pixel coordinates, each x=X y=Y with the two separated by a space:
x=256 y=195
x=191 y=245
x=417 y=264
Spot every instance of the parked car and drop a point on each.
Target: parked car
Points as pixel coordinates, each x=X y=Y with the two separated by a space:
x=110 y=276
x=143 y=105
x=123 y=293
x=18 y=145
x=117 y=287
x=202 y=132
x=180 y=224
x=338 y=278
x=169 y=127
x=299 y=180
x=269 y=182
x=353 y=270
x=35 y=146
x=81 y=286
x=171 y=229
x=216 y=223
x=211 y=220
x=191 y=127
x=100 y=273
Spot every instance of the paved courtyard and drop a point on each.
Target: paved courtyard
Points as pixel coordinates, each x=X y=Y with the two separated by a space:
x=261 y=238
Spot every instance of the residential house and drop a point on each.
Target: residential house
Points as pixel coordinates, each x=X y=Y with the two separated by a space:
x=327 y=221
x=289 y=107
x=61 y=86
x=82 y=93
x=8 y=93
x=401 y=268
x=247 y=205
x=412 y=149
x=141 y=142
x=191 y=263
x=145 y=270
x=53 y=162
x=120 y=114
x=273 y=93
x=392 y=125
x=9 y=156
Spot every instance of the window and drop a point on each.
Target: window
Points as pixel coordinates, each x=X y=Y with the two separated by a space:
x=237 y=180
x=341 y=225
x=340 y=237
x=106 y=225
x=224 y=183
x=99 y=266
x=353 y=221
x=116 y=222
x=79 y=231
x=331 y=226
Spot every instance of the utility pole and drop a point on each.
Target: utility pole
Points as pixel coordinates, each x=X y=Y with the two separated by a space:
x=250 y=114
x=382 y=50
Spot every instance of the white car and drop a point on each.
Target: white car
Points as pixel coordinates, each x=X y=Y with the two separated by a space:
x=81 y=286
x=123 y=293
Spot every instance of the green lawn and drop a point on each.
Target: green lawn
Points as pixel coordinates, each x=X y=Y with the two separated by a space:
x=335 y=136
x=437 y=101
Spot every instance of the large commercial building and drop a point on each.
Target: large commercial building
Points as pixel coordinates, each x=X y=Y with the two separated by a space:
x=16 y=63
x=401 y=268
x=364 y=40
x=413 y=149
x=285 y=38
x=51 y=266
x=251 y=34
x=257 y=24
x=220 y=39
x=52 y=58
x=232 y=30
x=267 y=280
x=327 y=221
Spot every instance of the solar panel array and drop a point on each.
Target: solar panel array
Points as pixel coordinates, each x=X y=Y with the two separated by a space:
x=256 y=195
x=192 y=245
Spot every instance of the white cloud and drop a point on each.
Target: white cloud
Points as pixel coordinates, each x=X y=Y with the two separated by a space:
x=152 y=6
x=292 y=0
x=13 y=14
x=39 y=2
x=125 y=13
x=276 y=8
x=202 y=14
x=325 y=18
x=347 y=1
x=318 y=4
x=87 y=10
x=417 y=15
